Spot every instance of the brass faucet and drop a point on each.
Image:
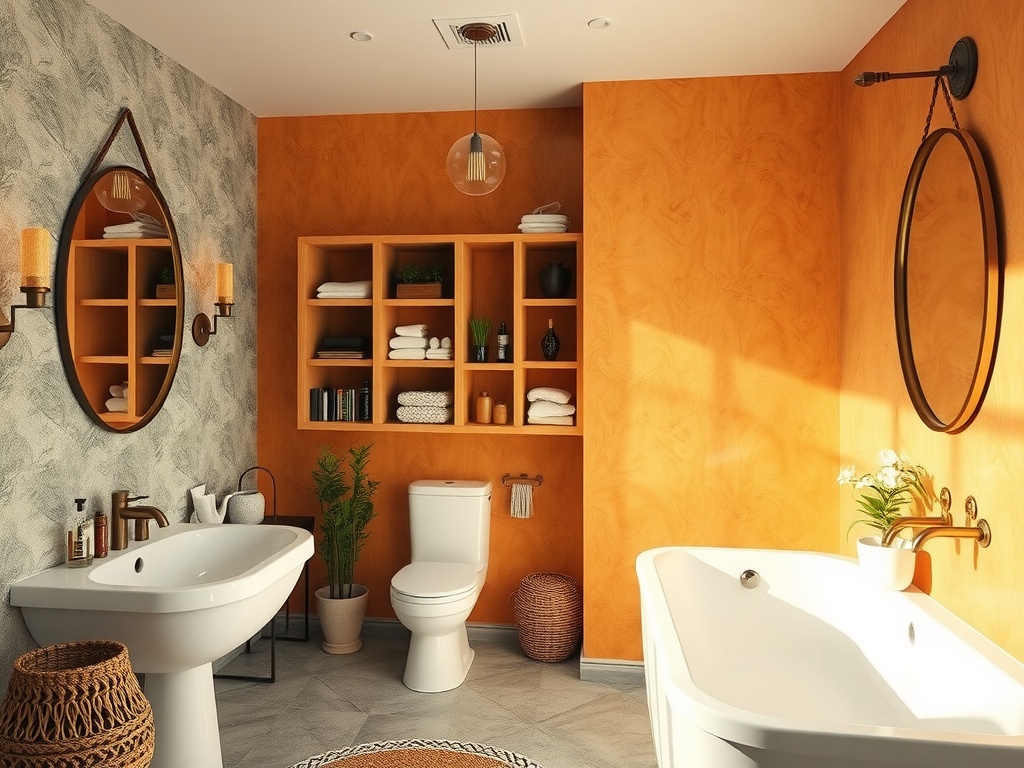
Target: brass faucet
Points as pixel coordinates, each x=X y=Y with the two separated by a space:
x=121 y=513
x=981 y=533
x=945 y=518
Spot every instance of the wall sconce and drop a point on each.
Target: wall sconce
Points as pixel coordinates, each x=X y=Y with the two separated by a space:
x=201 y=328
x=35 y=275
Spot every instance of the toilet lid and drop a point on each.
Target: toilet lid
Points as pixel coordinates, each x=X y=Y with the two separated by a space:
x=435 y=579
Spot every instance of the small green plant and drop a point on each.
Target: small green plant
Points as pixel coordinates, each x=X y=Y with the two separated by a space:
x=886 y=492
x=420 y=273
x=346 y=510
x=479 y=328
x=166 y=276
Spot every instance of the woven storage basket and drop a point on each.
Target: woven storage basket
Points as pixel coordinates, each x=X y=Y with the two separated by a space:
x=549 y=616
x=75 y=705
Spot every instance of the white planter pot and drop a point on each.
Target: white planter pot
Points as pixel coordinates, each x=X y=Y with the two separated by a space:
x=886 y=567
x=341 y=619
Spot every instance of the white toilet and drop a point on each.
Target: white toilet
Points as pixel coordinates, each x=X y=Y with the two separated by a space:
x=450 y=527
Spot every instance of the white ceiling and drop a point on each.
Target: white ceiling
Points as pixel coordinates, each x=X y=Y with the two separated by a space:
x=295 y=57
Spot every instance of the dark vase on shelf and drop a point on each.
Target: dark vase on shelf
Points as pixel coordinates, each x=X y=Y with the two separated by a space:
x=549 y=344
x=555 y=280
x=479 y=353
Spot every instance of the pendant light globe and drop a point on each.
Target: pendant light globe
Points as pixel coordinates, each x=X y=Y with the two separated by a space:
x=476 y=162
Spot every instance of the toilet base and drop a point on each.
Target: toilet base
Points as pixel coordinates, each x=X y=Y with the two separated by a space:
x=438 y=663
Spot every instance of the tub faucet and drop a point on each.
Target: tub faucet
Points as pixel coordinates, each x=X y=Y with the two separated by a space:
x=121 y=513
x=911 y=521
x=981 y=533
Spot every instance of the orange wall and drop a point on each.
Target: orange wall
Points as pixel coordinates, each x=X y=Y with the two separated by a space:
x=384 y=174
x=711 y=326
x=881 y=131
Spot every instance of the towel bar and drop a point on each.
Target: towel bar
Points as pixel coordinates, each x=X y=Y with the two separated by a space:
x=509 y=480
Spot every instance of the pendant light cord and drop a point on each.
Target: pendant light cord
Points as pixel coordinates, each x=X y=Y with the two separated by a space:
x=475 y=45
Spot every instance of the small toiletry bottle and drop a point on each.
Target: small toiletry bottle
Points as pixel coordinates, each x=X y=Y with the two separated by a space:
x=504 y=348
x=364 y=402
x=484 y=404
x=87 y=526
x=102 y=538
x=500 y=413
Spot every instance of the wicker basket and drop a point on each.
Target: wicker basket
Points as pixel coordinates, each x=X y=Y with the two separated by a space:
x=549 y=616
x=75 y=705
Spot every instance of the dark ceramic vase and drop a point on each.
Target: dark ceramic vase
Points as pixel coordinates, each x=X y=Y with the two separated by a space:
x=549 y=343
x=479 y=353
x=555 y=280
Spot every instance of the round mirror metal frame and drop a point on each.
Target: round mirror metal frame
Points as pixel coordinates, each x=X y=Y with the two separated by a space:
x=111 y=325
x=989 y=313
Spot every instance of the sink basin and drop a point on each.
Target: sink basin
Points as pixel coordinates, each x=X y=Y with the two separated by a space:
x=179 y=601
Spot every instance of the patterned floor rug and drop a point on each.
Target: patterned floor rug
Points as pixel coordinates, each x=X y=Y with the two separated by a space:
x=419 y=753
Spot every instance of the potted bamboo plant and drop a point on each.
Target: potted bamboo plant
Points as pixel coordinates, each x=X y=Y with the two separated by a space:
x=346 y=506
x=479 y=330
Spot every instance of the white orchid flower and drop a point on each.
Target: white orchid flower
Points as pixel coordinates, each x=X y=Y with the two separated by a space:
x=887 y=457
x=888 y=476
x=846 y=474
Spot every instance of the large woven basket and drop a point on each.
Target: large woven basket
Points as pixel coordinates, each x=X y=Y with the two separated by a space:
x=75 y=705
x=549 y=616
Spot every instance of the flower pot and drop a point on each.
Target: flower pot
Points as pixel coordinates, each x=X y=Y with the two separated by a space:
x=341 y=619
x=886 y=567
x=479 y=353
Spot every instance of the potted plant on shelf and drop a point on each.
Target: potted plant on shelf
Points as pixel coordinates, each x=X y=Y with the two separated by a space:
x=479 y=329
x=346 y=508
x=886 y=495
x=418 y=281
x=165 y=288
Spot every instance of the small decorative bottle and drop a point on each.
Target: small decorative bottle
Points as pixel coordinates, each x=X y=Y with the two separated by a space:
x=549 y=344
x=500 y=413
x=101 y=535
x=504 y=348
x=484 y=406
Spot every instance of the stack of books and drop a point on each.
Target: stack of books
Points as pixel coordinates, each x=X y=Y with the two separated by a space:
x=328 y=404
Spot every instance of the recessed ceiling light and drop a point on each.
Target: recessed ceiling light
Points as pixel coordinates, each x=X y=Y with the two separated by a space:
x=599 y=23
x=361 y=37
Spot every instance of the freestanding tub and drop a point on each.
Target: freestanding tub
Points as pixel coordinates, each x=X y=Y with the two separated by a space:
x=815 y=668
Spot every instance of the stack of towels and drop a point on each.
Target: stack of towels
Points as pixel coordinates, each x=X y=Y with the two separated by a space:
x=439 y=349
x=544 y=219
x=118 y=400
x=411 y=343
x=550 y=405
x=143 y=226
x=357 y=289
x=425 y=407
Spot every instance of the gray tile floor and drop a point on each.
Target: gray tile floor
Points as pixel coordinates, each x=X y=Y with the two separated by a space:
x=322 y=702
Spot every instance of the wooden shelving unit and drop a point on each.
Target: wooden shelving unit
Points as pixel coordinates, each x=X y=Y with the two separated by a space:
x=493 y=276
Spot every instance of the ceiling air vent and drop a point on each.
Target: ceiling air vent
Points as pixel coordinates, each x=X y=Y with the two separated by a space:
x=509 y=35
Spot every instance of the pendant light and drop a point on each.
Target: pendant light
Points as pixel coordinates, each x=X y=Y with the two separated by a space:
x=476 y=162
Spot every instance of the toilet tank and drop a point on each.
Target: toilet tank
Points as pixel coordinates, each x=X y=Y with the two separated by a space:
x=450 y=521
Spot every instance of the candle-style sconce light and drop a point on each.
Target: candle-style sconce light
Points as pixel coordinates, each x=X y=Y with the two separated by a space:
x=35 y=276
x=202 y=329
x=960 y=71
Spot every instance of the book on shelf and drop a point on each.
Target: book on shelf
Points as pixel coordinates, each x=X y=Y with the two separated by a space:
x=330 y=404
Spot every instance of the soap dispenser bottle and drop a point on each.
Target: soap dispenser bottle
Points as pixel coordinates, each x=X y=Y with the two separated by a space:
x=80 y=539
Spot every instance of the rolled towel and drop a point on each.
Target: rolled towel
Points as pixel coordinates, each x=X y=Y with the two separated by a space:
x=446 y=343
x=435 y=343
x=117 y=405
x=407 y=342
x=551 y=394
x=406 y=354
x=561 y=421
x=418 y=329
x=547 y=408
x=433 y=399
x=416 y=414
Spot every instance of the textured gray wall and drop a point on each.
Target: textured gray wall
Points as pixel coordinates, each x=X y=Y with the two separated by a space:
x=66 y=70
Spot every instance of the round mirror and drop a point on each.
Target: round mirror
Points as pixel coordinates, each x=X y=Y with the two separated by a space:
x=118 y=298
x=948 y=282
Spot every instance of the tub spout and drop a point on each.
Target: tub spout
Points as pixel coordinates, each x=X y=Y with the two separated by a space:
x=981 y=534
x=946 y=519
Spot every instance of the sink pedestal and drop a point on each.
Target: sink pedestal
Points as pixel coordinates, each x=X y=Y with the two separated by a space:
x=185 y=715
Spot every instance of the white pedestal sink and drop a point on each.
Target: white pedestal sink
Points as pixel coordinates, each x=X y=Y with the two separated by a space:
x=179 y=601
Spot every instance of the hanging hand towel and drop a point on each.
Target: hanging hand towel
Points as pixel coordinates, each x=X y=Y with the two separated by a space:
x=522 y=500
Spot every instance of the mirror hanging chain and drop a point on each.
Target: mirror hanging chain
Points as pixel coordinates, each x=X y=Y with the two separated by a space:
x=940 y=80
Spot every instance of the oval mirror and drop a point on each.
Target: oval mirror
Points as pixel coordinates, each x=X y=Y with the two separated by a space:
x=118 y=298
x=948 y=281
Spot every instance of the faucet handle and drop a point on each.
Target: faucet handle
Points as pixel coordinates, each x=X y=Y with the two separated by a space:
x=971 y=508
x=130 y=499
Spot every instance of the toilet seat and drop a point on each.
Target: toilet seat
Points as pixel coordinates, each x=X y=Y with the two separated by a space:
x=436 y=582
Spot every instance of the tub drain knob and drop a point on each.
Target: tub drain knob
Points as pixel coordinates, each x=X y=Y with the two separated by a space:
x=750 y=578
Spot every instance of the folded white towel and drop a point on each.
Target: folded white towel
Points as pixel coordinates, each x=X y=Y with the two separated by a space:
x=547 y=408
x=361 y=286
x=561 y=421
x=418 y=329
x=342 y=295
x=435 y=343
x=415 y=414
x=446 y=343
x=136 y=226
x=439 y=354
x=134 y=235
x=117 y=405
x=551 y=394
x=117 y=390
x=407 y=342
x=434 y=399
x=406 y=354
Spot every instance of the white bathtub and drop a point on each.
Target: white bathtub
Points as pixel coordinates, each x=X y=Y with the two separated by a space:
x=814 y=668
